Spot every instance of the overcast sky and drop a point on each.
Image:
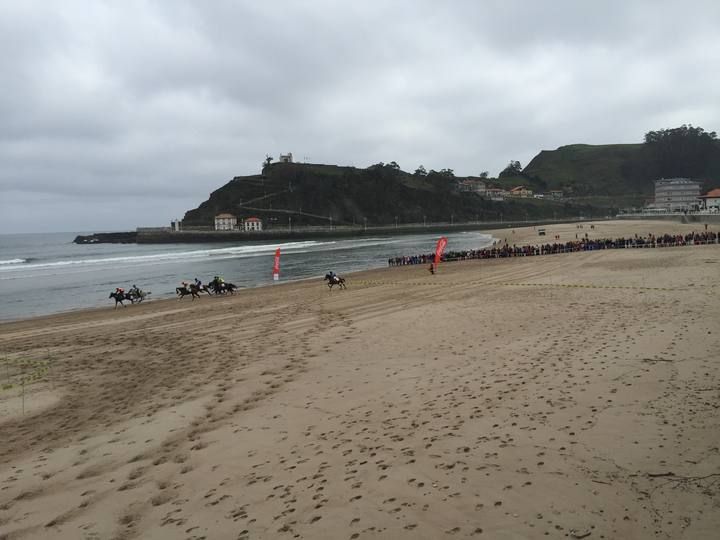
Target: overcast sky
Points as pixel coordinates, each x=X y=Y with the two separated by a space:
x=119 y=114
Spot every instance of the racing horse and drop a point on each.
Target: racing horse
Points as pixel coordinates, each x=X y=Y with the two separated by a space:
x=191 y=290
x=222 y=287
x=205 y=289
x=119 y=297
x=230 y=287
x=335 y=280
x=138 y=295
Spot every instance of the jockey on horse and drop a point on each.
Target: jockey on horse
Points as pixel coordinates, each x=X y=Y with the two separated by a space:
x=333 y=279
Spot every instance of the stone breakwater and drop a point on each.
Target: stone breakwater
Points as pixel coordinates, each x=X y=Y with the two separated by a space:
x=167 y=236
x=107 y=238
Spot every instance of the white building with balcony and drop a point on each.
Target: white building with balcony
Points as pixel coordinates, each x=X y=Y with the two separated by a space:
x=496 y=194
x=225 y=222
x=472 y=185
x=711 y=200
x=252 y=224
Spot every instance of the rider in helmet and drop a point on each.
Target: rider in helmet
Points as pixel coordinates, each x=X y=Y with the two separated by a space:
x=119 y=290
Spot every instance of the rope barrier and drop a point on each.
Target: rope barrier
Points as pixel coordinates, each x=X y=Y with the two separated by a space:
x=513 y=284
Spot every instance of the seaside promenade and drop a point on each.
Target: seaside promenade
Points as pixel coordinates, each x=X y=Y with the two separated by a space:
x=565 y=396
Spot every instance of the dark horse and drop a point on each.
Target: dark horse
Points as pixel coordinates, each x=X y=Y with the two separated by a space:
x=119 y=297
x=222 y=287
x=191 y=290
x=335 y=280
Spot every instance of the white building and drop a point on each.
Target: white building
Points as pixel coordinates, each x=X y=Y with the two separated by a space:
x=252 y=224
x=521 y=191
x=472 y=185
x=711 y=200
x=286 y=158
x=496 y=194
x=225 y=222
x=676 y=194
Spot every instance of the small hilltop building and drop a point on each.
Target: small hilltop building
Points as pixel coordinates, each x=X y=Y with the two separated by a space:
x=521 y=191
x=495 y=194
x=472 y=185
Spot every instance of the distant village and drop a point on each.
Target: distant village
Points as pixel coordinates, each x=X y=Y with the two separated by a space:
x=671 y=195
x=482 y=188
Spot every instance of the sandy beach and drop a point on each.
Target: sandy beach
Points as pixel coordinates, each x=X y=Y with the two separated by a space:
x=563 y=396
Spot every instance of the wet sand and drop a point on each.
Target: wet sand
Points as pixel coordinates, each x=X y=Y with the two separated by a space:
x=564 y=396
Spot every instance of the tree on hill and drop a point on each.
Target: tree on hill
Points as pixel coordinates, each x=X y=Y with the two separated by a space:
x=484 y=174
x=385 y=170
x=513 y=169
x=420 y=171
x=682 y=151
x=677 y=135
x=442 y=181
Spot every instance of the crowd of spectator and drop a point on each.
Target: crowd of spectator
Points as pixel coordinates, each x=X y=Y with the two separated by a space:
x=502 y=250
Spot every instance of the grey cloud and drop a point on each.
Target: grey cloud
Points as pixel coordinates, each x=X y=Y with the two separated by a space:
x=165 y=101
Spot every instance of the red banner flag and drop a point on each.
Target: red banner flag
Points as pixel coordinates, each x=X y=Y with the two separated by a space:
x=276 y=265
x=439 y=249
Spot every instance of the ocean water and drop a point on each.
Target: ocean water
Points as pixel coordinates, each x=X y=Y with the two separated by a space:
x=46 y=273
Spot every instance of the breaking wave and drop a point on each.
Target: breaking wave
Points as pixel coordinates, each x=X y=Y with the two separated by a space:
x=168 y=256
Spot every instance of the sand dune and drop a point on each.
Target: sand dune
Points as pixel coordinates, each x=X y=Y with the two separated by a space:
x=566 y=396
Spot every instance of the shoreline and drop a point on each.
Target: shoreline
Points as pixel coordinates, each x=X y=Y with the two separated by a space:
x=348 y=276
x=526 y=235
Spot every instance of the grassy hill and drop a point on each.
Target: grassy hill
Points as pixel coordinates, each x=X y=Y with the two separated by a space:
x=313 y=194
x=617 y=170
x=585 y=169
